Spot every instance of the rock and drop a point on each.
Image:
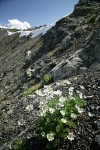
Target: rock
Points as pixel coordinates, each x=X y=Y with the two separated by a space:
x=91 y=50
x=97 y=139
x=62 y=70
x=98 y=125
x=82 y=70
x=66 y=41
x=29 y=55
x=95 y=65
x=67 y=68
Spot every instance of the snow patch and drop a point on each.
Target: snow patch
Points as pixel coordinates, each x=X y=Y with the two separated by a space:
x=42 y=31
x=32 y=33
x=10 y=33
x=36 y=32
x=24 y=33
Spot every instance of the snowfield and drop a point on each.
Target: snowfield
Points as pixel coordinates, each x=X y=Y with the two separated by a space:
x=32 y=33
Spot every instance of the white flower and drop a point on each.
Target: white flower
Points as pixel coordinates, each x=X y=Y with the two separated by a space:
x=43 y=134
x=41 y=114
x=49 y=97
x=72 y=98
x=80 y=94
x=50 y=137
x=74 y=116
x=59 y=106
x=41 y=104
x=48 y=92
x=48 y=89
x=43 y=111
x=62 y=99
x=80 y=110
x=63 y=120
x=51 y=110
x=39 y=92
x=58 y=92
x=63 y=112
x=29 y=107
x=71 y=91
x=71 y=136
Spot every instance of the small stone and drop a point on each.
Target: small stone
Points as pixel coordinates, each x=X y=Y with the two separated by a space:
x=89 y=114
x=98 y=125
x=97 y=139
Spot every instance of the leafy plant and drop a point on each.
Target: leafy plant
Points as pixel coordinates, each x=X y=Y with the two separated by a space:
x=19 y=145
x=57 y=118
x=48 y=79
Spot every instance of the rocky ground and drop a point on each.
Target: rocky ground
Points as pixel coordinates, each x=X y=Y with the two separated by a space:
x=70 y=52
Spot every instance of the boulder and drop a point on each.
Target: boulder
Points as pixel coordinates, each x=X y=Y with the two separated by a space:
x=67 y=68
x=62 y=70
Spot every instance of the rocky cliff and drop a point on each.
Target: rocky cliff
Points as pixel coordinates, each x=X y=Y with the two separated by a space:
x=70 y=53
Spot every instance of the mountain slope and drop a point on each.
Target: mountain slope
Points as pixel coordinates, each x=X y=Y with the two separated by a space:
x=70 y=50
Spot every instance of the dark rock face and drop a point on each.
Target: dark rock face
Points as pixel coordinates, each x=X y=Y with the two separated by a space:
x=84 y=7
x=91 y=51
x=89 y=127
x=83 y=1
x=70 y=50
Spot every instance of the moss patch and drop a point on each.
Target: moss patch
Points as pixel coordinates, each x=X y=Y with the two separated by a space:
x=33 y=89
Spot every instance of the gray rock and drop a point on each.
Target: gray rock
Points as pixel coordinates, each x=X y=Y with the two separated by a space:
x=66 y=41
x=97 y=139
x=97 y=50
x=82 y=70
x=95 y=65
x=62 y=70
x=67 y=68
x=91 y=51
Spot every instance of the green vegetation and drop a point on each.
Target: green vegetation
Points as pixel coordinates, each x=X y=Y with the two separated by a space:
x=48 y=79
x=32 y=89
x=19 y=145
x=58 y=118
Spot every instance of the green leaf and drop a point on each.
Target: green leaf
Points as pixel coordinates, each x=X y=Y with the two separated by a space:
x=71 y=124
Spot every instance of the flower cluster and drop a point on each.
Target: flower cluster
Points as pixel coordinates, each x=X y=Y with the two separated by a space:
x=58 y=115
x=50 y=137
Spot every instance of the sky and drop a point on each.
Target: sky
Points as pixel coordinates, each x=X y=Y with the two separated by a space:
x=30 y=13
